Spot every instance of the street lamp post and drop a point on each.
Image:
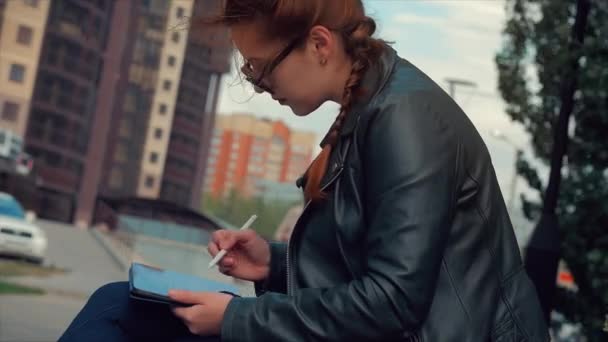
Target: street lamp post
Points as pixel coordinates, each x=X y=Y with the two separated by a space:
x=518 y=154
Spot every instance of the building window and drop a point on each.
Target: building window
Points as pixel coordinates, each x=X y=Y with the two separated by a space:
x=10 y=111
x=180 y=12
x=149 y=182
x=153 y=157
x=167 y=85
x=171 y=61
x=158 y=133
x=162 y=108
x=17 y=73
x=116 y=178
x=120 y=153
x=31 y=3
x=125 y=129
x=175 y=37
x=24 y=35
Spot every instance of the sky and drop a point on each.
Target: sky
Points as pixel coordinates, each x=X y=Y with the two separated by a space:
x=445 y=39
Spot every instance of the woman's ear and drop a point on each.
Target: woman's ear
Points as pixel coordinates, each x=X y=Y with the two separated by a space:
x=322 y=42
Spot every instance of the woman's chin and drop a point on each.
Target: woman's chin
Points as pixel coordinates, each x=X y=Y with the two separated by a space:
x=298 y=111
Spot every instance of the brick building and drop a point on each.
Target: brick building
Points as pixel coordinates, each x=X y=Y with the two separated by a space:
x=248 y=153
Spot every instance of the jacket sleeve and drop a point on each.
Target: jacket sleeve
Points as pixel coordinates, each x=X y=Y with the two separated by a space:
x=277 y=277
x=409 y=165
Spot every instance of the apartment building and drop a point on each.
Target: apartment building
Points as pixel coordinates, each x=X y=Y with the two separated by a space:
x=249 y=155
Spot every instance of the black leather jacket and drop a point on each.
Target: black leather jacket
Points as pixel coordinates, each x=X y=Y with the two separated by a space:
x=413 y=241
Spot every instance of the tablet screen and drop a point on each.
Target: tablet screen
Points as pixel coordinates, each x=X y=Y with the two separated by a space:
x=157 y=281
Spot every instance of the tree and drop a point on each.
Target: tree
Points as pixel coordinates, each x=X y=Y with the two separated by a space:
x=539 y=36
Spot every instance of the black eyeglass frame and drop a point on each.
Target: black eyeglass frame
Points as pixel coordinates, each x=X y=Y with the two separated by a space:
x=258 y=83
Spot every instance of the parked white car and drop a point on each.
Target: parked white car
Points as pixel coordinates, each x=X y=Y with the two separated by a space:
x=19 y=236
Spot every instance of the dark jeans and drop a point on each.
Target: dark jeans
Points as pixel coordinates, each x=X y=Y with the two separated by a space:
x=111 y=315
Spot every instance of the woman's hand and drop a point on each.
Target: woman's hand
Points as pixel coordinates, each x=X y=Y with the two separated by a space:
x=248 y=256
x=205 y=316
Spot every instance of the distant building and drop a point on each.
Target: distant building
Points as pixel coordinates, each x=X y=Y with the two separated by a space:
x=252 y=155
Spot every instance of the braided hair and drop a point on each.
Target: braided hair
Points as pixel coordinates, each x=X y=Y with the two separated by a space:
x=363 y=51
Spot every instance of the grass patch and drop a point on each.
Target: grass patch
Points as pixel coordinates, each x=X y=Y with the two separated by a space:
x=10 y=288
x=13 y=268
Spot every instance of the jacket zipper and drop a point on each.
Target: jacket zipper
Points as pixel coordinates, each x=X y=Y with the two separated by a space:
x=290 y=259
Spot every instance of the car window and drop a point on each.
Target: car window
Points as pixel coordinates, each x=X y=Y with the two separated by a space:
x=10 y=207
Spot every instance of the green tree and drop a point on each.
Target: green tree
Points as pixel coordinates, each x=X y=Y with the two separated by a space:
x=537 y=38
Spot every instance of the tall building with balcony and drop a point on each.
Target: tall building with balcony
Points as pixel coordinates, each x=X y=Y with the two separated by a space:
x=112 y=98
x=64 y=97
x=164 y=85
x=250 y=155
x=205 y=59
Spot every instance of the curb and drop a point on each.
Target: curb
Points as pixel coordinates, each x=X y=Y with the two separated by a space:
x=47 y=290
x=116 y=256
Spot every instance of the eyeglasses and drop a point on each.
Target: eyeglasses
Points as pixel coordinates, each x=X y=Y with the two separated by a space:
x=257 y=79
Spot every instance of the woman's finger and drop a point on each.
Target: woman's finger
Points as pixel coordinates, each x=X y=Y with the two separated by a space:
x=227 y=261
x=227 y=241
x=219 y=235
x=225 y=270
x=212 y=248
x=224 y=239
x=244 y=236
x=180 y=312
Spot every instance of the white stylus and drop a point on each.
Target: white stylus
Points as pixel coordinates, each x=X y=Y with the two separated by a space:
x=223 y=252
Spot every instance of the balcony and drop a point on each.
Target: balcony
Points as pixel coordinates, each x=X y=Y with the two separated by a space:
x=72 y=32
x=183 y=151
x=176 y=175
x=83 y=68
x=58 y=178
x=62 y=106
x=186 y=126
x=42 y=143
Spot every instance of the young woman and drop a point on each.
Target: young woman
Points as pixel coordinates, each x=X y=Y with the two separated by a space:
x=405 y=235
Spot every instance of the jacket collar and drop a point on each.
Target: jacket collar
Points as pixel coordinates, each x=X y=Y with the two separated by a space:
x=373 y=82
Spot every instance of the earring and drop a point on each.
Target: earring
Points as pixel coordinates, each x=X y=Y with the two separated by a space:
x=323 y=61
